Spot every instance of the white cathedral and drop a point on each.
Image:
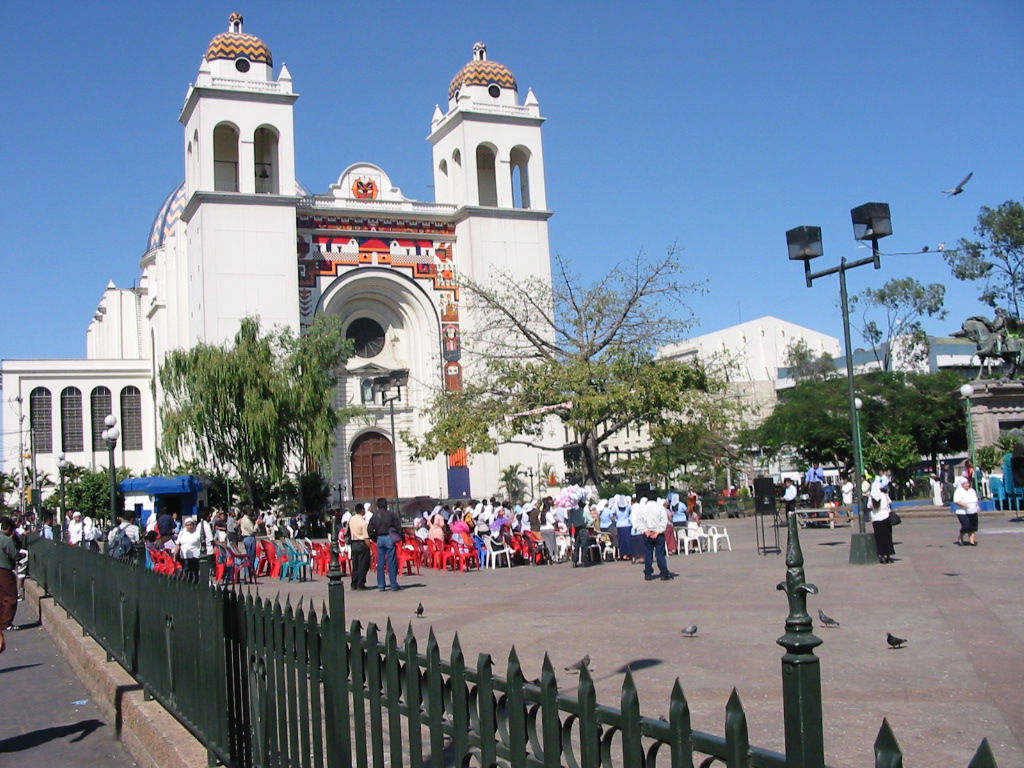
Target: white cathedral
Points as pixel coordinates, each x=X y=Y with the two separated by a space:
x=241 y=236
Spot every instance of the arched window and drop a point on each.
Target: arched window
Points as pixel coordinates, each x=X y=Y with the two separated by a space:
x=265 y=160
x=40 y=419
x=131 y=418
x=486 y=181
x=225 y=158
x=519 y=159
x=100 y=407
x=71 y=434
x=442 y=192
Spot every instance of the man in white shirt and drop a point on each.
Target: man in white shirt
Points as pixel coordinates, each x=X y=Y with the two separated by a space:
x=651 y=520
x=789 y=495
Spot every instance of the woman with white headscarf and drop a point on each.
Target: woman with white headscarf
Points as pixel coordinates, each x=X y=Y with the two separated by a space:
x=881 y=508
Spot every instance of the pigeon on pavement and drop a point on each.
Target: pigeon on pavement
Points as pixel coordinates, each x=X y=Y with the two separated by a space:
x=580 y=665
x=690 y=631
x=826 y=620
x=893 y=641
x=419 y=611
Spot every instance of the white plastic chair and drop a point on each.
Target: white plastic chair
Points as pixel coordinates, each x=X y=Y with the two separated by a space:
x=714 y=536
x=691 y=537
x=493 y=553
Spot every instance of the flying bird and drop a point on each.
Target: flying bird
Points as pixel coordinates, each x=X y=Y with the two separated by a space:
x=826 y=620
x=419 y=611
x=893 y=641
x=959 y=187
x=690 y=631
x=580 y=665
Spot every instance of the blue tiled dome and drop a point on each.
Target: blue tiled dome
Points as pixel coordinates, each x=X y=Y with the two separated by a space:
x=167 y=217
x=170 y=212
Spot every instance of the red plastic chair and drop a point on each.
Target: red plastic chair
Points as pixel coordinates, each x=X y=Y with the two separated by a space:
x=408 y=557
x=443 y=555
x=464 y=550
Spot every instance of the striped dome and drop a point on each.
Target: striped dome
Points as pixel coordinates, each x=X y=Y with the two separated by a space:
x=483 y=72
x=170 y=212
x=167 y=217
x=236 y=45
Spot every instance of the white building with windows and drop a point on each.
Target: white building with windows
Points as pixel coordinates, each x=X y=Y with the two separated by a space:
x=241 y=236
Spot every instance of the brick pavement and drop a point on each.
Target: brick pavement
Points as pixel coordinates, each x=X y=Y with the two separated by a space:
x=48 y=717
x=958 y=680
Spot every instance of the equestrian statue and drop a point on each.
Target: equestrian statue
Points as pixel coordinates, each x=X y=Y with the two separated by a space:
x=997 y=339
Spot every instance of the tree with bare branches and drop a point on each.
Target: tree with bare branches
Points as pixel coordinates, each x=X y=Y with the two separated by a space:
x=581 y=352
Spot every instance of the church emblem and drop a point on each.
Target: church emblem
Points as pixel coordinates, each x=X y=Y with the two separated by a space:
x=365 y=188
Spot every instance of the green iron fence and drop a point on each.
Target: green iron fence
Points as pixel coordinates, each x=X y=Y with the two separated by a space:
x=265 y=684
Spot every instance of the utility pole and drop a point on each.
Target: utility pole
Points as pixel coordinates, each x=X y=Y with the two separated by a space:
x=21 y=455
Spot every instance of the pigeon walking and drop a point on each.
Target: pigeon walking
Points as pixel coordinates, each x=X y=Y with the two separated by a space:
x=826 y=620
x=959 y=187
x=419 y=611
x=580 y=665
x=690 y=631
x=893 y=641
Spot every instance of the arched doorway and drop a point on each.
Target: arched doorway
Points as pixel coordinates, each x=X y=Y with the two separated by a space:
x=373 y=469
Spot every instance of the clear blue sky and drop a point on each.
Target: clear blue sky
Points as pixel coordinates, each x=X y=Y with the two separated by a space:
x=713 y=125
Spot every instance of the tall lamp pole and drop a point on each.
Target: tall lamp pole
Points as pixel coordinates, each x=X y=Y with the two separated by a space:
x=62 y=466
x=110 y=434
x=871 y=222
x=666 y=441
x=383 y=384
x=967 y=392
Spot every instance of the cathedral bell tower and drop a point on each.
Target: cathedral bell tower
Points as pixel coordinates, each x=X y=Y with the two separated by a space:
x=240 y=189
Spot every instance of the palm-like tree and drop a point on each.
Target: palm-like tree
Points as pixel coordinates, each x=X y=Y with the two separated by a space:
x=511 y=479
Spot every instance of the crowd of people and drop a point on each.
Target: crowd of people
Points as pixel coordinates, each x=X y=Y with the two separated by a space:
x=545 y=530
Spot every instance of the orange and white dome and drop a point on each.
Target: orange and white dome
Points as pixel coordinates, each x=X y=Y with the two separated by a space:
x=482 y=71
x=235 y=44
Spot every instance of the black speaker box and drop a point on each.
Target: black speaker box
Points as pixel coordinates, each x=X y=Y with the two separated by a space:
x=764 y=494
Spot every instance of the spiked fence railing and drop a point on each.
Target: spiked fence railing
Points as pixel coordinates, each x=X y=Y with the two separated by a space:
x=265 y=684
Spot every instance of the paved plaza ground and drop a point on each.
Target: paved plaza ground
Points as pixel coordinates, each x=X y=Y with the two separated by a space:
x=960 y=678
x=47 y=717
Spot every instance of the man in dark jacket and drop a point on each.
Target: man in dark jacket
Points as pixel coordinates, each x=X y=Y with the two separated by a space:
x=386 y=528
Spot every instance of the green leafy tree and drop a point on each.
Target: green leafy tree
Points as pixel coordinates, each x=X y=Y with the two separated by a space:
x=806 y=365
x=89 y=492
x=258 y=406
x=996 y=259
x=591 y=345
x=891 y=320
x=891 y=450
x=812 y=419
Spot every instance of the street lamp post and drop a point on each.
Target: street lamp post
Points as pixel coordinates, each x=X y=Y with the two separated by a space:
x=530 y=473
x=666 y=441
x=62 y=466
x=967 y=392
x=872 y=222
x=110 y=434
x=858 y=404
x=383 y=384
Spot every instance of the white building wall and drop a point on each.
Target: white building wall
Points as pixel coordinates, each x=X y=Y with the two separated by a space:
x=20 y=377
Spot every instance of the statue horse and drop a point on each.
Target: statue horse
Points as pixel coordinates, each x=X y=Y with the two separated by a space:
x=993 y=345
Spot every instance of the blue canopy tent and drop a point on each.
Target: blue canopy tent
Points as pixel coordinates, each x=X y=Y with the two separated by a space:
x=146 y=496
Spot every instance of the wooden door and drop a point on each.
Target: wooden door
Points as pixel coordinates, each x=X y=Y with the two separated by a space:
x=373 y=471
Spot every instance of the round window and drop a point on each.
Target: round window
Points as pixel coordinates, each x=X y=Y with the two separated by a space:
x=367 y=335
x=242 y=65
x=494 y=90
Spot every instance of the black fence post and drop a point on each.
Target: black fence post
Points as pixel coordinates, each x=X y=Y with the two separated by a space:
x=336 y=672
x=801 y=671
